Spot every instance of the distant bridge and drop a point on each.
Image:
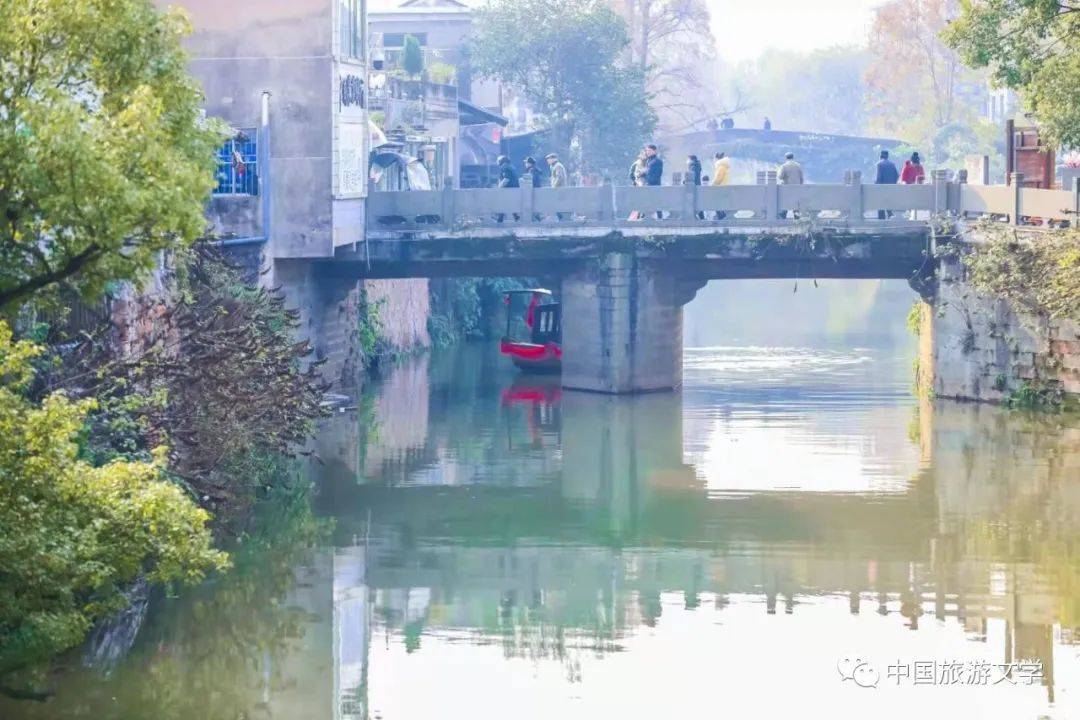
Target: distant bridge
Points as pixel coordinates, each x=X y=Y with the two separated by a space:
x=823 y=155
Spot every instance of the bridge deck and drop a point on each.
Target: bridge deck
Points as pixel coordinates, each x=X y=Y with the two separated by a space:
x=836 y=248
x=765 y=207
x=735 y=231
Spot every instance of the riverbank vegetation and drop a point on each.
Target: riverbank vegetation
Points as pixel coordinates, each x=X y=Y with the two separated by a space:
x=131 y=447
x=1038 y=274
x=72 y=534
x=124 y=460
x=210 y=369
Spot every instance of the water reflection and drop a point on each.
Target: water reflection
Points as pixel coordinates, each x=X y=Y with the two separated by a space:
x=675 y=531
x=504 y=548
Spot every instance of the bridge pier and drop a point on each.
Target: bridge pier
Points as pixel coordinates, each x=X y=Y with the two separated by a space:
x=622 y=323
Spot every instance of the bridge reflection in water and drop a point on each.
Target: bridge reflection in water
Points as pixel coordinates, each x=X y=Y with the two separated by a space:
x=509 y=549
x=571 y=526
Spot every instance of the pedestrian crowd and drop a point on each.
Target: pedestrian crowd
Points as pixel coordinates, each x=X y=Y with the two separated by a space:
x=647 y=170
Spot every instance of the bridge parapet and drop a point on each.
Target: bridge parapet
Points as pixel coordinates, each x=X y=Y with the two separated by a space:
x=690 y=206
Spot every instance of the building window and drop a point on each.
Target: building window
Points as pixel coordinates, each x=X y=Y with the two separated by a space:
x=238 y=165
x=397 y=40
x=352 y=28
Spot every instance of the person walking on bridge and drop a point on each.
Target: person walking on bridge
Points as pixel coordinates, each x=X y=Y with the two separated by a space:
x=508 y=178
x=790 y=173
x=721 y=173
x=693 y=171
x=654 y=166
x=558 y=171
x=558 y=176
x=534 y=172
x=536 y=175
x=637 y=179
x=886 y=175
x=654 y=171
x=913 y=173
x=693 y=177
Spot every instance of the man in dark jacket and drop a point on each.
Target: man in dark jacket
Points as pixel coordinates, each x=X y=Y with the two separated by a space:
x=508 y=178
x=654 y=171
x=693 y=176
x=654 y=166
x=534 y=172
x=887 y=174
x=538 y=177
x=693 y=171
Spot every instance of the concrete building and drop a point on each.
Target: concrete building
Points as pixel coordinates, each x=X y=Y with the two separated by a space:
x=310 y=57
x=291 y=77
x=442 y=28
x=473 y=131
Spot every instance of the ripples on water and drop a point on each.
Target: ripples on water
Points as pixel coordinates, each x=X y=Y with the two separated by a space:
x=506 y=549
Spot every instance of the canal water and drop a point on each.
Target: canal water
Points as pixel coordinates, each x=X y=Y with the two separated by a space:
x=793 y=535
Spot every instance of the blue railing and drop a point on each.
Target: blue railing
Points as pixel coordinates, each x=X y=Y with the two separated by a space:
x=238 y=165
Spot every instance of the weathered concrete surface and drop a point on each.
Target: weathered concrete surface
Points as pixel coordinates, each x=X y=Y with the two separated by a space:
x=622 y=327
x=977 y=347
x=758 y=251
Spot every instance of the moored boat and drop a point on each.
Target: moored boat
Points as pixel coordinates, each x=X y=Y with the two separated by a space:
x=533 y=338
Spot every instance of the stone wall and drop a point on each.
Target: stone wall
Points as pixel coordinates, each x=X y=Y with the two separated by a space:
x=977 y=347
x=403 y=308
x=139 y=312
x=330 y=310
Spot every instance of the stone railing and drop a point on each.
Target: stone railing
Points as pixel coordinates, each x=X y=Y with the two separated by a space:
x=766 y=203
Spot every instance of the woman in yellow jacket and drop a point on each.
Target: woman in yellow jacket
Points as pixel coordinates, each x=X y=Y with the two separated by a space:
x=721 y=169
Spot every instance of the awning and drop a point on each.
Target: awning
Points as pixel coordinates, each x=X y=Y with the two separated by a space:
x=477 y=146
x=470 y=114
x=386 y=158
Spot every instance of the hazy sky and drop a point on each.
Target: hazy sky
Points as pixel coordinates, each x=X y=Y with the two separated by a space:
x=744 y=28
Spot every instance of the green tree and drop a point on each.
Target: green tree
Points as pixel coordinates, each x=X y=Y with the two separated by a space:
x=1032 y=46
x=104 y=160
x=72 y=536
x=574 y=73
x=413 y=56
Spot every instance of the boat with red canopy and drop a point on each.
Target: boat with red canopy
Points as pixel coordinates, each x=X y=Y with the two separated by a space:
x=533 y=339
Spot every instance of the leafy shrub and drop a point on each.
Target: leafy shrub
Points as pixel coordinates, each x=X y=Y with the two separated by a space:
x=73 y=535
x=1038 y=272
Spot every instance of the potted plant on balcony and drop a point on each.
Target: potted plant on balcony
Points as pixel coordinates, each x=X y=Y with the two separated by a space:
x=412 y=61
